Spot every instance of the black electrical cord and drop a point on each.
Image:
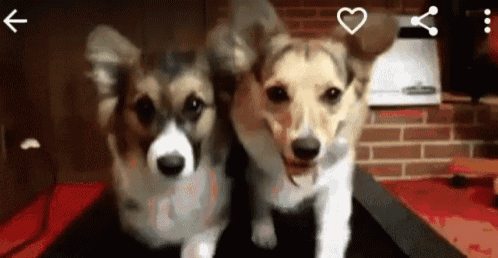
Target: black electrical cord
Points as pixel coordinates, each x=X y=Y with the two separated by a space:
x=46 y=212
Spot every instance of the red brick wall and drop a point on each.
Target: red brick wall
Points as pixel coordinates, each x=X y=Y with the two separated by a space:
x=407 y=142
x=400 y=142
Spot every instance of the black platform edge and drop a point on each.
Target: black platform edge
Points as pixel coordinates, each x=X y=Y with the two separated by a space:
x=412 y=235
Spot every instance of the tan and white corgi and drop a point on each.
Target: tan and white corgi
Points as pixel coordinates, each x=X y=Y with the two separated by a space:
x=298 y=111
x=168 y=143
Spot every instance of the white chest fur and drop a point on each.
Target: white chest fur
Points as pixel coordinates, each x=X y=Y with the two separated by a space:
x=277 y=189
x=171 y=211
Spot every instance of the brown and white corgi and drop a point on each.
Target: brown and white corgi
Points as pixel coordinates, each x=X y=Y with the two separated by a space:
x=168 y=143
x=298 y=111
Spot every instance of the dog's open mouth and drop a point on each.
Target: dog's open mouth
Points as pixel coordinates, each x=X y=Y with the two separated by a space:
x=300 y=173
x=296 y=168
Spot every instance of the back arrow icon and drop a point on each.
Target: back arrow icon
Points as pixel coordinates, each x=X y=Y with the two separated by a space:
x=8 y=21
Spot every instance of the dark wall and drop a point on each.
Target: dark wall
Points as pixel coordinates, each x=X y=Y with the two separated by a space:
x=43 y=91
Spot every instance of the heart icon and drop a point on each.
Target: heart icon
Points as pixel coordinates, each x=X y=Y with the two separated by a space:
x=352 y=12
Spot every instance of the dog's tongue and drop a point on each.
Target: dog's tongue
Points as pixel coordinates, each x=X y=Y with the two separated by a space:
x=309 y=177
x=306 y=179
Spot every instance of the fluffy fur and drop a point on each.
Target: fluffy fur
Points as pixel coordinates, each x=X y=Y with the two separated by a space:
x=168 y=143
x=298 y=111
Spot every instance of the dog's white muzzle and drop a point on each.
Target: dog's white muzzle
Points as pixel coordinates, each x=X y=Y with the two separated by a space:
x=170 y=150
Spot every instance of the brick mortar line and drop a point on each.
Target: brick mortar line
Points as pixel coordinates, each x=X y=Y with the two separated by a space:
x=416 y=125
x=402 y=126
x=422 y=150
x=400 y=144
x=407 y=177
x=432 y=160
x=386 y=178
x=370 y=153
x=410 y=143
x=403 y=169
x=412 y=177
x=471 y=150
x=402 y=161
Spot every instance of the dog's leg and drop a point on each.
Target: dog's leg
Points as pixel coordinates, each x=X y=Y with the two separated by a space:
x=333 y=210
x=203 y=245
x=263 y=230
x=333 y=231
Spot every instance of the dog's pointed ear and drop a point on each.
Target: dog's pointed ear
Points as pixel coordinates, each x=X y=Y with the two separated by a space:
x=254 y=23
x=106 y=45
x=220 y=48
x=107 y=50
x=221 y=58
x=374 y=38
x=235 y=47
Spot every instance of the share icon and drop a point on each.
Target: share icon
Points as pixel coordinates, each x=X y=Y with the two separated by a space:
x=416 y=20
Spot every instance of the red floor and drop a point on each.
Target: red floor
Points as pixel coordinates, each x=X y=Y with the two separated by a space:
x=465 y=217
x=69 y=202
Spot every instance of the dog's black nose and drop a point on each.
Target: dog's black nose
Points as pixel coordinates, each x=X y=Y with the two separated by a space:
x=306 y=148
x=171 y=165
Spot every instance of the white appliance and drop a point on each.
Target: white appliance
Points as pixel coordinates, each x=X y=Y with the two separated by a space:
x=409 y=73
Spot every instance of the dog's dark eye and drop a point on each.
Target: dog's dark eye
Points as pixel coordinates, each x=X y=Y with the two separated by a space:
x=193 y=107
x=145 y=110
x=331 y=96
x=277 y=94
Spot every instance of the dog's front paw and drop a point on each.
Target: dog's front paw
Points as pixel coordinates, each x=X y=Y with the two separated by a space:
x=204 y=244
x=263 y=234
x=199 y=249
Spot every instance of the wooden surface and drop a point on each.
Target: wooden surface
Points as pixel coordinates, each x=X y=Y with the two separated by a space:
x=474 y=166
